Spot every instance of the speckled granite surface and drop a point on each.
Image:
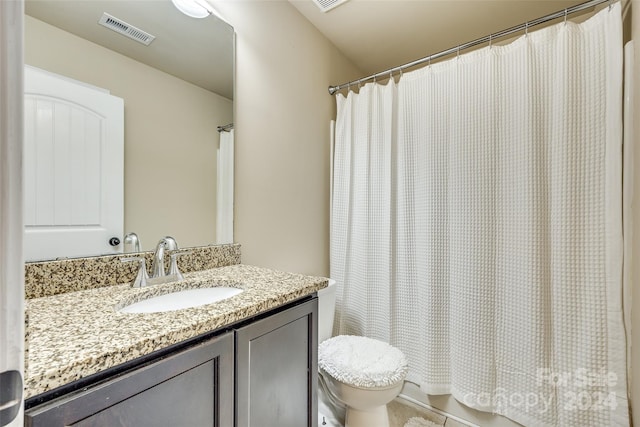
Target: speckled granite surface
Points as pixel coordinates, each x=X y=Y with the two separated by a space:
x=76 y=334
x=69 y=275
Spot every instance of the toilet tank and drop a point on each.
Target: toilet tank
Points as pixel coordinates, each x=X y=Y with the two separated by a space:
x=326 y=309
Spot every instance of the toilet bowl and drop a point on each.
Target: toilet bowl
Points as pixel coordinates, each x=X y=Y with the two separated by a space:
x=359 y=373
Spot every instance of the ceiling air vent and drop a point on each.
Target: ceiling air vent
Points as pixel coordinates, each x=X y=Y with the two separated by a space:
x=327 y=5
x=119 y=26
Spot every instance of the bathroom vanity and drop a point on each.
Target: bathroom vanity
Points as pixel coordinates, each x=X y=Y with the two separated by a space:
x=249 y=360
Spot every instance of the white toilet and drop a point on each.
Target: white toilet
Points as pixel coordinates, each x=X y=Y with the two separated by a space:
x=360 y=373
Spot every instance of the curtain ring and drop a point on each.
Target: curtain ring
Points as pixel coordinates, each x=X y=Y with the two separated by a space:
x=565 y=16
x=400 y=72
x=457 y=53
x=374 y=78
x=359 y=83
x=490 y=45
x=526 y=29
x=349 y=87
x=390 y=74
x=430 y=61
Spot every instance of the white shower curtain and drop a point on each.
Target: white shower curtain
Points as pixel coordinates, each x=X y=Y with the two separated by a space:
x=224 y=192
x=476 y=224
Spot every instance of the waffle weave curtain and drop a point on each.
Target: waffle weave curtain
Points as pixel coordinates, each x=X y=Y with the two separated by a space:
x=476 y=224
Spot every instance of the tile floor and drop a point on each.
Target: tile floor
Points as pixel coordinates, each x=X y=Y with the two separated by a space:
x=400 y=411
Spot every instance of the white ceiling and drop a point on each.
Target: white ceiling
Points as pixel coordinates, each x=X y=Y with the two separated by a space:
x=374 y=34
x=380 y=34
x=199 y=51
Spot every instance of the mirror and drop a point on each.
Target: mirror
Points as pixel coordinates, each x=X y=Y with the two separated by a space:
x=176 y=92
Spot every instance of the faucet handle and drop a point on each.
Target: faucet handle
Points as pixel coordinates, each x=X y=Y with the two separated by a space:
x=170 y=243
x=142 y=276
x=173 y=268
x=131 y=243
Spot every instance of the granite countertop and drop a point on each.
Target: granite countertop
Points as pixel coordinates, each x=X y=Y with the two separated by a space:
x=76 y=334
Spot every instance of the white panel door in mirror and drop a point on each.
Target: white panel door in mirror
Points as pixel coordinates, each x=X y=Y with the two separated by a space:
x=73 y=168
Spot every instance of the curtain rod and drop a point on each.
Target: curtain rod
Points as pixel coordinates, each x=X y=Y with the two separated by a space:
x=225 y=128
x=427 y=59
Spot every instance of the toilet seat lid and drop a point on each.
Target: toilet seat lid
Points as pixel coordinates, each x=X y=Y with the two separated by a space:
x=362 y=362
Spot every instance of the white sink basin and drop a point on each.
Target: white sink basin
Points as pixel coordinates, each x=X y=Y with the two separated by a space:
x=181 y=299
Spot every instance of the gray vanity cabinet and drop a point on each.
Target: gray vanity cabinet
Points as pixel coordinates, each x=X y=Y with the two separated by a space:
x=193 y=387
x=276 y=369
x=265 y=369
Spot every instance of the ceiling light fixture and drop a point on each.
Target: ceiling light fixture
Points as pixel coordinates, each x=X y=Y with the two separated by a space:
x=194 y=8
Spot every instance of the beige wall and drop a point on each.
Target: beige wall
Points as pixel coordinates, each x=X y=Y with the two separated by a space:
x=635 y=313
x=282 y=182
x=170 y=134
x=283 y=109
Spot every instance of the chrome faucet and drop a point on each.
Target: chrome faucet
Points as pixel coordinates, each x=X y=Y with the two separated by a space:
x=166 y=243
x=158 y=272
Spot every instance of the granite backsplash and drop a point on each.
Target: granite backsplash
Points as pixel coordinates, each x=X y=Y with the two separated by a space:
x=47 y=278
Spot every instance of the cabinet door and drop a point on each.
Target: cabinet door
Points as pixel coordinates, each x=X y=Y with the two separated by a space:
x=191 y=388
x=277 y=368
